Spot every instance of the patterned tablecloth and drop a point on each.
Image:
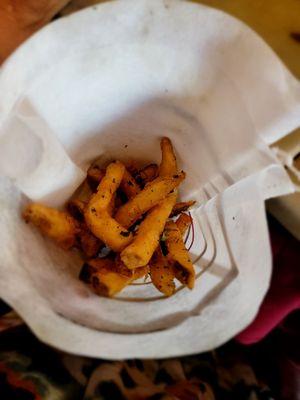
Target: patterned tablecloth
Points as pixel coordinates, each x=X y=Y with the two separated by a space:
x=30 y=370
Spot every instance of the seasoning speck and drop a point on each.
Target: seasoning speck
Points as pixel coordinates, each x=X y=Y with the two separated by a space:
x=295 y=36
x=125 y=234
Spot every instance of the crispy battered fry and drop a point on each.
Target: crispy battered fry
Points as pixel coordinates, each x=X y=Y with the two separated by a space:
x=179 y=256
x=161 y=270
x=57 y=225
x=108 y=186
x=89 y=243
x=76 y=209
x=107 y=229
x=182 y=207
x=107 y=278
x=151 y=195
x=140 y=251
x=183 y=223
x=168 y=166
x=95 y=175
x=83 y=193
x=162 y=273
x=129 y=185
x=112 y=205
x=97 y=211
x=147 y=174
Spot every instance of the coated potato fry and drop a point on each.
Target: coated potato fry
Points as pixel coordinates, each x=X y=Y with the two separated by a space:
x=129 y=185
x=107 y=278
x=76 y=209
x=57 y=225
x=150 y=196
x=95 y=175
x=147 y=174
x=108 y=186
x=89 y=243
x=162 y=273
x=179 y=256
x=182 y=207
x=183 y=223
x=83 y=193
x=168 y=166
x=97 y=213
x=107 y=229
x=140 y=251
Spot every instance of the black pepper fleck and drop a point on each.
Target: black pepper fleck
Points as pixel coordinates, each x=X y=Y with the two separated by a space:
x=295 y=36
x=125 y=234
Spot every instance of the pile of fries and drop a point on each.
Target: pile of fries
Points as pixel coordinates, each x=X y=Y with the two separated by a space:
x=123 y=222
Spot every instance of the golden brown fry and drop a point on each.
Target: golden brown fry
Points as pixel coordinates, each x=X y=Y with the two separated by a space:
x=57 y=225
x=97 y=211
x=140 y=251
x=162 y=273
x=147 y=174
x=108 y=186
x=132 y=166
x=129 y=185
x=150 y=196
x=107 y=277
x=76 y=208
x=89 y=244
x=182 y=207
x=178 y=254
x=107 y=229
x=112 y=205
x=95 y=175
x=168 y=166
x=183 y=223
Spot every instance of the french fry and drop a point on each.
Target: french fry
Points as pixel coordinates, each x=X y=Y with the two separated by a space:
x=168 y=166
x=107 y=278
x=57 y=225
x=149 y=197
x=183 y=223
x=162 y=273
x=129 y=185
x=95 y=175
x=179 y=256
x=83 y=193
x=89 y=243
x=147 y=174
x=76 y=209
x=107 y=229
x=140 y=251
x=161 y=270
x=112 y=205
x=108 y=186
x=182 y=207
x=97 y=216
